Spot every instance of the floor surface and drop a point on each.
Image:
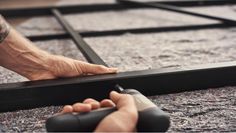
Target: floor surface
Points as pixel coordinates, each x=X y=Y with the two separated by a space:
x=205 y=110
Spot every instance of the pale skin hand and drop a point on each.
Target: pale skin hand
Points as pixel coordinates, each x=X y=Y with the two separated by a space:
x=20 y=55
x=123 y=120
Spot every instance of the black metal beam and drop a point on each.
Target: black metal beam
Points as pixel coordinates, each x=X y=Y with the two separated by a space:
x=67 y=9
x=129 y=30
x=86 y=50
x=176 y=9
x=192 y=3
x=26 y=95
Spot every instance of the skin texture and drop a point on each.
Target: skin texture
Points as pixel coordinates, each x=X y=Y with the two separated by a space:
x=123 y=120
x=21 y=56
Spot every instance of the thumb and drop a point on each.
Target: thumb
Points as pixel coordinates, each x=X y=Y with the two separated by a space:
x=123 y=120
x=123 y=101
x=88 y=68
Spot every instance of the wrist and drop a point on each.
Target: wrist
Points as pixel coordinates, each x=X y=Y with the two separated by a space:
x=28 y=64
x=31 y=64
x=20 y=55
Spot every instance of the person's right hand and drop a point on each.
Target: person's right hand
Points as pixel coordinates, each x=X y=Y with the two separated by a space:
x=122 y=120
x=21 y=56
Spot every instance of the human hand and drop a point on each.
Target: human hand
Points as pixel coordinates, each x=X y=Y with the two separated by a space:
x=122 y=120
x=23 y=57
x=60 y=66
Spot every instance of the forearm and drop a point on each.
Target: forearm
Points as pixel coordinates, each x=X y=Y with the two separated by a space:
x=18 y=54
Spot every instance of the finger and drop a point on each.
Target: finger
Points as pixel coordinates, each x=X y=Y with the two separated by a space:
x=89 y=100
x=123 y=102
x=95 y=69
x=107 y=103
x=95 y=104
x=81 y=107
x=67 y=109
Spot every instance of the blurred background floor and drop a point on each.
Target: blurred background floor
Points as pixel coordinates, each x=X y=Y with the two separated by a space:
x=205 y=110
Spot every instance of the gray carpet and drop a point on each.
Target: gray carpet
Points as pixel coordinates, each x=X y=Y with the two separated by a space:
x=205 y=110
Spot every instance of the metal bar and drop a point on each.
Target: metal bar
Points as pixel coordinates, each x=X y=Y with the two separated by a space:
x=176 y=9
x=86 y=50
x=191 y=3
x=26 y=95
x=67 y=9
x=46 y=37
x=131 y=30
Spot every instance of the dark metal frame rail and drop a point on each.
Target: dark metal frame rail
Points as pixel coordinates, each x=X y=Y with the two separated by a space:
x=67 y=9
x=129 y=30
x=178 y=10
x=26 y=95
x=86 y=50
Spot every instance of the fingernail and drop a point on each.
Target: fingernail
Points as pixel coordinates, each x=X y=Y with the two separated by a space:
x=114 y=96
x=114 y=93
x=113 y=69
